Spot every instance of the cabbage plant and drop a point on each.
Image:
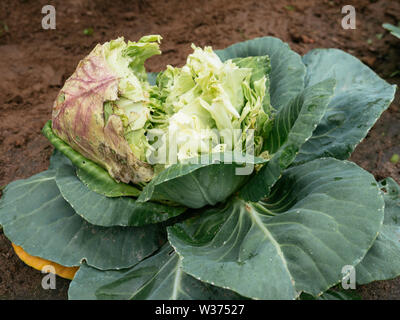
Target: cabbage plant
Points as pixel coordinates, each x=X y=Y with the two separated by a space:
x=226 y=178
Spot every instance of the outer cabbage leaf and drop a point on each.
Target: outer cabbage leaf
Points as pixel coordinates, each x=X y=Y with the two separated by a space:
x=292 y=126
x=104 y=211
x=320 y=216
x=159 y=277
x=35 y=216
x=360 y=98
x=202 y=181
x=382 y=261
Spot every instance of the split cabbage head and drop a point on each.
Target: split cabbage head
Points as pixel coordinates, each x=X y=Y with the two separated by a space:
x=110 y=113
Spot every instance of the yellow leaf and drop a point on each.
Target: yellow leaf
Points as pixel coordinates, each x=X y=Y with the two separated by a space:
x=38 y=263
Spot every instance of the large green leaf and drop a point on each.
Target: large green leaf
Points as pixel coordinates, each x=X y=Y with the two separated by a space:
x=320 y=216
x=94 y=176
x=206 y=182
x=35 y=216
x=360 y=98
x=382 y=262
x=292 y=126
x=287 y=69
x=103 y=211
x=158 y=277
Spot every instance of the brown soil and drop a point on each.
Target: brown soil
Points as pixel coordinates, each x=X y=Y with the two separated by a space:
x=35 y=62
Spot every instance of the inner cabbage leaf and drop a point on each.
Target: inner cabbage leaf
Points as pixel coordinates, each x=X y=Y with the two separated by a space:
x=211 y=106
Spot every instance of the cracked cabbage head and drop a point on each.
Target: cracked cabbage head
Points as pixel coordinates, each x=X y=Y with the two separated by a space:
x=108 y=111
